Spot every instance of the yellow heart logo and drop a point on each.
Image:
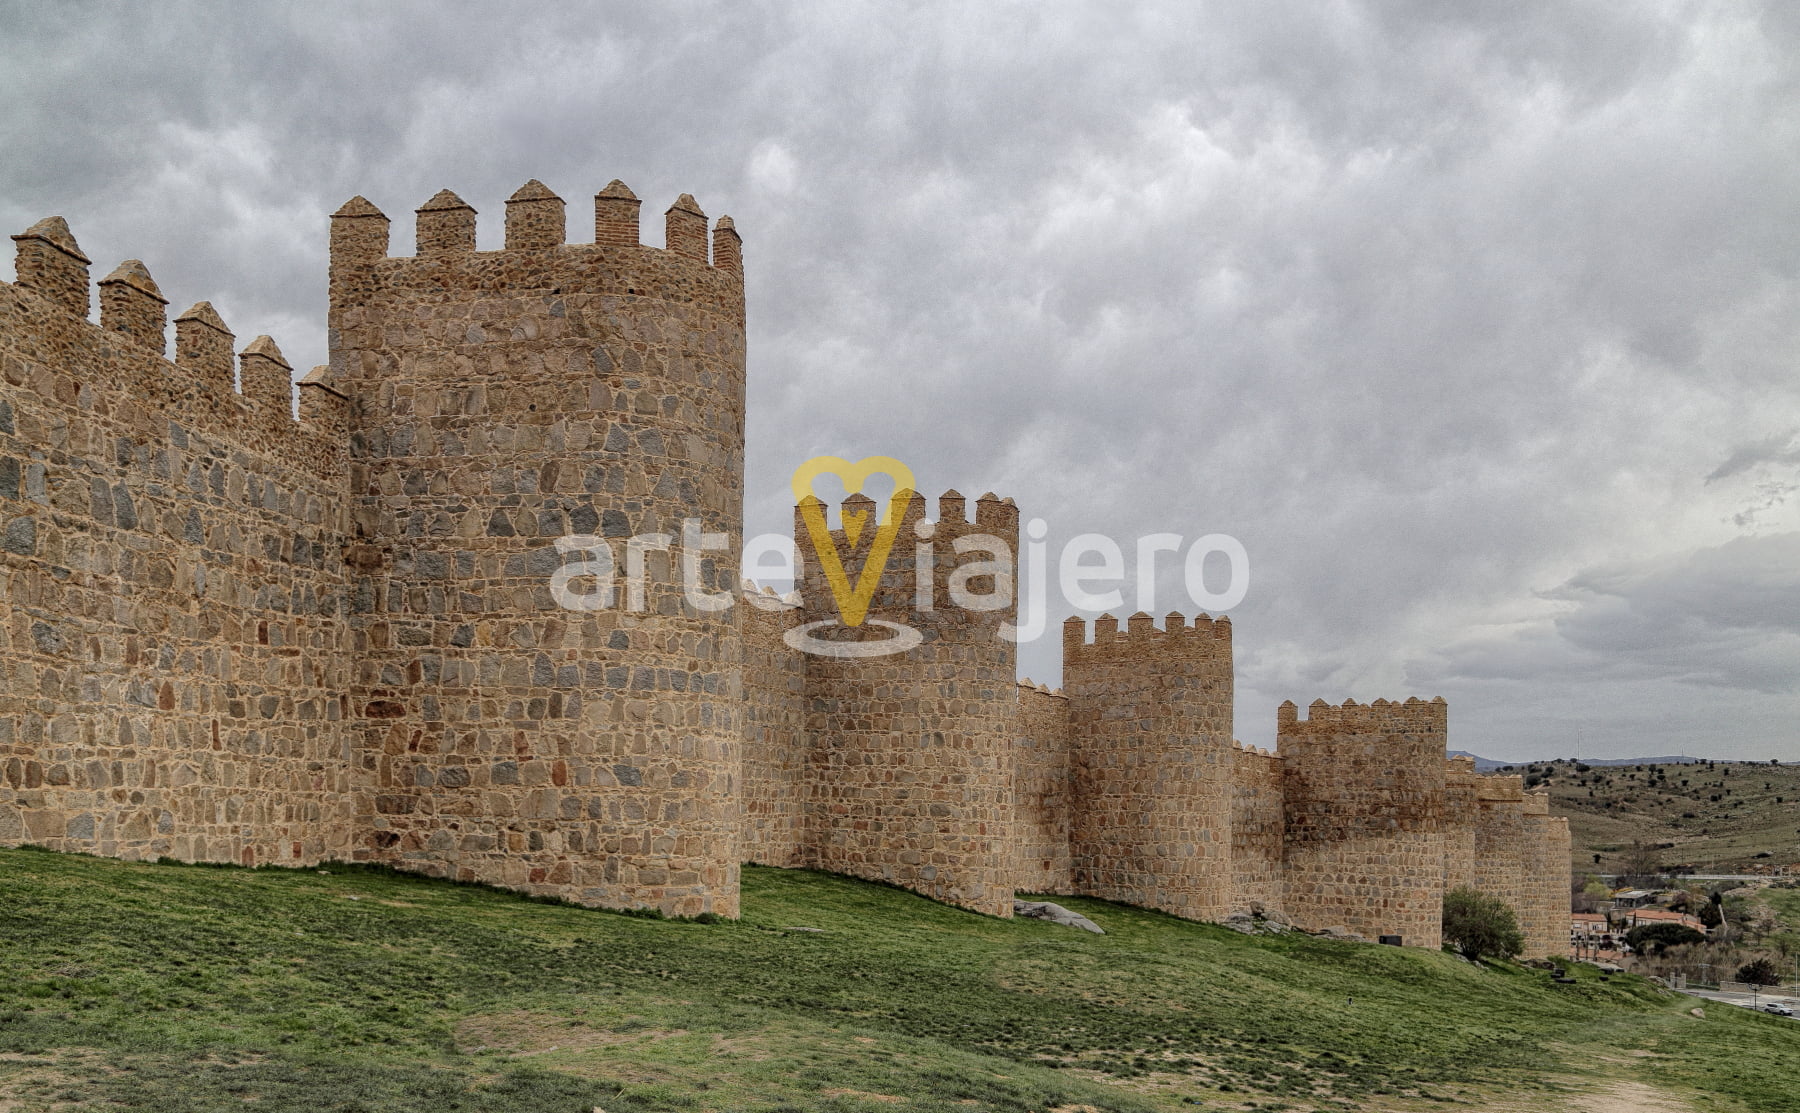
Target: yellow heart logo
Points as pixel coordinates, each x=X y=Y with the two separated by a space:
x=853 y=602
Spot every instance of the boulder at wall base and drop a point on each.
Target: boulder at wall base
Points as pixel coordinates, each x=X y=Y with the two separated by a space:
x=1056 y=914
x=1342 y=934
x=1250 y=923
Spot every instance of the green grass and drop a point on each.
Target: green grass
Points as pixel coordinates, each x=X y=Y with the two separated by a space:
x=1785 y=904
x=163 y=987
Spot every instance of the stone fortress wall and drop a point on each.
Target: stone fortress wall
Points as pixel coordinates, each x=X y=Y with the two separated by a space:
x=505 y=399
x=175 y=651
x=236 y=635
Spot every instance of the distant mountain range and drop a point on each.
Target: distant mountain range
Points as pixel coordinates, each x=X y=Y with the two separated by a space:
x=1488 y=764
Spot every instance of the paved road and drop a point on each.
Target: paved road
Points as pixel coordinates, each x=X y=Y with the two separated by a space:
x=1745 y=999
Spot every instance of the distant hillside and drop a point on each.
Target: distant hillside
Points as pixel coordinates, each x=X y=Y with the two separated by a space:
x=1682 y=760
x=1489 y=765
x=1706 y=816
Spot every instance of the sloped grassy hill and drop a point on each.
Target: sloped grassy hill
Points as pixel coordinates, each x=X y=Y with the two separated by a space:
x=166 y=987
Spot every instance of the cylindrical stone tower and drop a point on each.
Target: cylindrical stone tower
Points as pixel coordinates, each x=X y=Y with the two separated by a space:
x=1501 y=840
x=1150 y=718
x=1461 y=817
x=1365 y=805
x=1544 y=890
x=912 y=750
x=567 y=731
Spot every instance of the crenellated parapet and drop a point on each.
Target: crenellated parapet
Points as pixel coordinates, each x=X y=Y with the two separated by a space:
x=1141 y=639
x=537 y=255
x=952 y=571
x=1412 y=716
x=207 y=385
x=1497 y=788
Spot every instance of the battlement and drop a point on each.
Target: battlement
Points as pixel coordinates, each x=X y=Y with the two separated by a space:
x=861 y=516
x=1255 y=766
x=766 y=598
x=614 y=308
x=1412 y=716
x=536 y=223
x=206 y=383
x=948 y=566
x=1026 y=685
x=1141 y=638
x=1497 y=789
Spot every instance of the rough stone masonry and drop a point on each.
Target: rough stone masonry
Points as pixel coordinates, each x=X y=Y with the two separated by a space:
x=237 y=629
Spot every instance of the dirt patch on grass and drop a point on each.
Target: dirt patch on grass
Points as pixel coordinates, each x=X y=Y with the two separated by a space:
x=751 y=1048
x=862 y=1094
x=32 y=1081
x=1621 y=1096
x=532 y=1033
x=1631 y=1097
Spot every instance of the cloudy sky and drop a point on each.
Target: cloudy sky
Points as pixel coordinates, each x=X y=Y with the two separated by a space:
x=1477 y=324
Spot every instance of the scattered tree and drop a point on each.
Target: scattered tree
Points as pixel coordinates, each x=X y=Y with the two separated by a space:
x=1589 y=891
x=1478 y=925
x=1761 y=971
x=1654 y=939
x=1709 y=914
x=1641 y=867
x=1786 y=944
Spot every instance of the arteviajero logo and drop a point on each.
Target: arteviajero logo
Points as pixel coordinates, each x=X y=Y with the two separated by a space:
x=853 y=599
x=1089 y=572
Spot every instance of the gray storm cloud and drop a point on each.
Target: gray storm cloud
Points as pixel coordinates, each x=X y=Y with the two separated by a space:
x=1475 y=323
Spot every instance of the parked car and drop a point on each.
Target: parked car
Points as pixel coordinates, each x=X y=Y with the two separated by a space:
x=1778 y=1009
